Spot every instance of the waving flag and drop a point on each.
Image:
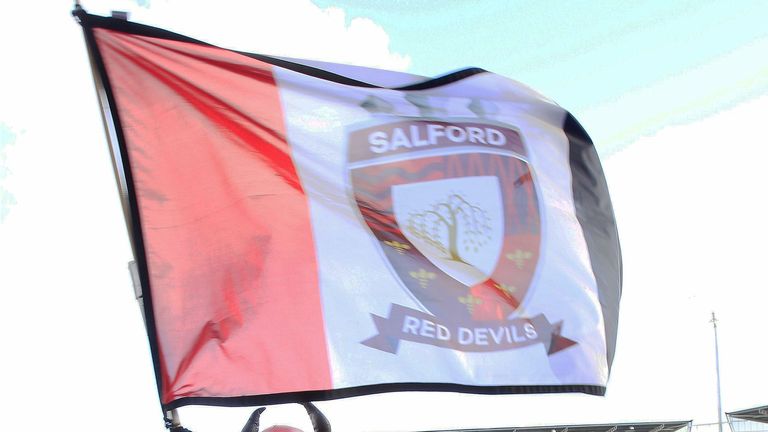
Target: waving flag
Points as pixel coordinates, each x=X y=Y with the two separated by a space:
x=308 y=231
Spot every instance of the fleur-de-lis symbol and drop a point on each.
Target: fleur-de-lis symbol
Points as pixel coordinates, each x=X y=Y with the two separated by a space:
x=422 y=276
x=396 y=245
x=519 y=257
x=470 y=301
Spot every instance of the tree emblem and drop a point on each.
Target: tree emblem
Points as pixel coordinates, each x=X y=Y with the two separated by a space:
x=449 y=220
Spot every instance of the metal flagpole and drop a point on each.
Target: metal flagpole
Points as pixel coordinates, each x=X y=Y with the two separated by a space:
x=112 y=139
x=717 y=367
x=173 y=423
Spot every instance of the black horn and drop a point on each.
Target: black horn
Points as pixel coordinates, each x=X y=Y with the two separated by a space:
x=252 y=425
x=319 y=421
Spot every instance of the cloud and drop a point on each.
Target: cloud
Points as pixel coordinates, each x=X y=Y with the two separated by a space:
x=290 y=28
x=690 y=208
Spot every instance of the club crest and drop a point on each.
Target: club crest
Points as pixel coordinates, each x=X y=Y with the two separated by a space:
x=454 y=209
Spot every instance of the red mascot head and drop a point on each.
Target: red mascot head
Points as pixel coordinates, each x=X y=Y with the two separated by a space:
x=278 y=428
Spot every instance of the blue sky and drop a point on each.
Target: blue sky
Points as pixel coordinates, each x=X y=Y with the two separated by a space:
x=695 y=56
x=7 y=138
x=674 y=93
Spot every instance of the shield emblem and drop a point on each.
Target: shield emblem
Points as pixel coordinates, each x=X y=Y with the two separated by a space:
x=454 y=209
x=456 y=223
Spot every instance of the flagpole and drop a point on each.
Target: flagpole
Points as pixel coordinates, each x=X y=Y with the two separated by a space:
x=717 y=368
x=123 y=176
x=112 y=139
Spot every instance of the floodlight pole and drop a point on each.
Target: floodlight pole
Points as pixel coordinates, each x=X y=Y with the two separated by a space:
x=717 y=367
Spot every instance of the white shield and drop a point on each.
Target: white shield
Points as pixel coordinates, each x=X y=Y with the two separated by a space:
x=457 y=223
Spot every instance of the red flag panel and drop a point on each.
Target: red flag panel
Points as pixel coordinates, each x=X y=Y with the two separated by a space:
x=206 y=144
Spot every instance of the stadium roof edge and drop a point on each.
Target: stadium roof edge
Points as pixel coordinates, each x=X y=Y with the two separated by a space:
x=665 y=426
x=756 y=414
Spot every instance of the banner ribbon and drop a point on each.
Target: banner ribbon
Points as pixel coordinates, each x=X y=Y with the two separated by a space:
x=406 y=324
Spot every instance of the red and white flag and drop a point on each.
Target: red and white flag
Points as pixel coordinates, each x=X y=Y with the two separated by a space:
x=314 y=231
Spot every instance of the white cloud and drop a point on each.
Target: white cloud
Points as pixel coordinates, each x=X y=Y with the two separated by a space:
x=690 y=206
x=289 y=28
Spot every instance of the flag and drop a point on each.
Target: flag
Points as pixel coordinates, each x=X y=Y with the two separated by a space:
x=310 y=231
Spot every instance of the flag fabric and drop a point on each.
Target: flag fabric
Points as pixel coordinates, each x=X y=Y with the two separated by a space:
x=309 y=231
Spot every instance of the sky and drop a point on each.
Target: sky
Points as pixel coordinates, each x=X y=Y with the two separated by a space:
x=674 y=94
